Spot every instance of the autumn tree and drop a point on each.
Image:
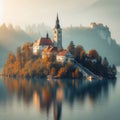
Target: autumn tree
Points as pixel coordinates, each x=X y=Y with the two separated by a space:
x=62 y=72
x=76 y=73
x=18 y=58
x=53 y=71
x=69 y=69
x=45 y=60
x=8 y=67
x=78 y=49
x=27 y=51
x=18 y=54
x=82 y=54
x=93 y=54
x=11 y=58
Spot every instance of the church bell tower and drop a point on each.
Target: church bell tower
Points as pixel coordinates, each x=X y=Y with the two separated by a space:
x=57 y=32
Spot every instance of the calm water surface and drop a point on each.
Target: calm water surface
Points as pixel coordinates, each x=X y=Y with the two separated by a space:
x=59 y=100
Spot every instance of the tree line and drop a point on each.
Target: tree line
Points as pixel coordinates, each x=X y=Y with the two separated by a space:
x=93 y=61
x=25 y=64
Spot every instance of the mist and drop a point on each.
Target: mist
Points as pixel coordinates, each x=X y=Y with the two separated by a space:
x=95 y=36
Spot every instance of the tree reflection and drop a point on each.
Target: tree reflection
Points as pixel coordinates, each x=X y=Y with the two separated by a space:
x=58 y=103
x=43 y=94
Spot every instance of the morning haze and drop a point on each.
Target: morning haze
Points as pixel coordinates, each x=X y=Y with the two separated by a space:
x=59 y=60
x=74 y=16
x=72 y=12
x=37 y=11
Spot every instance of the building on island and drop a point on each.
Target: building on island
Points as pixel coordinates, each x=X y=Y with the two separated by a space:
x=42 y=43
x=64 y=56
x=49 y=48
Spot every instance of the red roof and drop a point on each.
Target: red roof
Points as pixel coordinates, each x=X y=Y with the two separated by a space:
x=45 y=41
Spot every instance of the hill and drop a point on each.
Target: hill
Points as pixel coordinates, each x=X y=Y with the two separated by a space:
x=96 y=36
x=11 y=37
x=3 y=56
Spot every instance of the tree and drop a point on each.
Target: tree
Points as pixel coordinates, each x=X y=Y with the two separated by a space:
x=18 y=63
x=82 y=54
x=53 y=71
x=69 y=69
x=11 y=58
x=77 y=51
x=8 y=67
x=18 y=54
x=62 y=72
x=93 y=54
x=100 y=60
x=71 y=47
x=76 y=73
x=45 y=60
x=17 y=68
x=114 y=69
x=27 y=51
x=105 y=62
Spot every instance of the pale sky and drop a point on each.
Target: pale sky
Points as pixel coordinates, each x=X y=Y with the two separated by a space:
x=0 y=10
x=71 y=12
x=38 y=11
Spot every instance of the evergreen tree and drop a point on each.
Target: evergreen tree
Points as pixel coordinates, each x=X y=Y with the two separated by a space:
x=114 y=69
x=78 y=49
x=105 y=62
x=71 y=47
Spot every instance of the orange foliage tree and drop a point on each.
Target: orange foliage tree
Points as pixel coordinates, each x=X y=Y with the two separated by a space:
x=93 y=53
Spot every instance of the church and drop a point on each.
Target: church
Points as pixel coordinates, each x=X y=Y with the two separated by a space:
x=44 y=42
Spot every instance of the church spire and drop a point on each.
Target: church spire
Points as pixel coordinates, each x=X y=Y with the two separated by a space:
x=47 y=35
x=57 y=34
x=57 y=18
x=57 y=22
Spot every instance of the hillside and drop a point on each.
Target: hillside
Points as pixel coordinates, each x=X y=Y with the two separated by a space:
x=97 y=36
x=11 y=37
x=3 y=56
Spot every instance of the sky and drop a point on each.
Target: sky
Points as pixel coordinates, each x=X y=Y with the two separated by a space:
x=37 y=11
x=1 y=10
x=71 y=12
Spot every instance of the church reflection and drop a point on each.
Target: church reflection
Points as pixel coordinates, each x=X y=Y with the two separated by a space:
x=45 y=94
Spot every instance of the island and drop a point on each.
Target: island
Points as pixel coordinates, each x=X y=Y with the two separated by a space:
x=46 y=58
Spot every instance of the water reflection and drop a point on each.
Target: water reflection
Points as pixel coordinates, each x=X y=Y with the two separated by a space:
x=45 y=94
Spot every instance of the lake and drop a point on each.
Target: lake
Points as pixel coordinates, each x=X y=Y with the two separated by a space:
x=59 y=100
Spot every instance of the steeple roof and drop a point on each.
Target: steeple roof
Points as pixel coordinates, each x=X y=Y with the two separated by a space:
x=57 y=22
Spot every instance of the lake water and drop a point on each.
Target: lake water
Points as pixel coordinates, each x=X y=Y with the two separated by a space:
x=59 y=100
